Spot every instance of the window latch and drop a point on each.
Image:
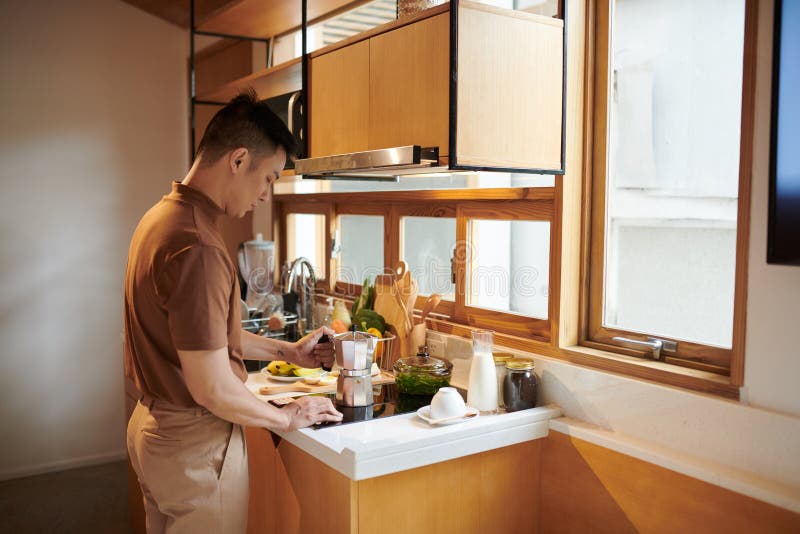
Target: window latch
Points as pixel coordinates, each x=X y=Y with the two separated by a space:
x=655 y=344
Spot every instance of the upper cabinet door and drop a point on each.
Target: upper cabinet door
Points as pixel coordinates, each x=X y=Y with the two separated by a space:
x=339 y=101
x=409 y=85
x=509 y=95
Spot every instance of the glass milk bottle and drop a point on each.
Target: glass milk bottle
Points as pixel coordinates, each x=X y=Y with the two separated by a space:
x=482 y=391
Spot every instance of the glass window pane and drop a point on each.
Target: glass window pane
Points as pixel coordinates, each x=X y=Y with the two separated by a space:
x=673 y=167
x=647 y=296
x=361 y=253
x=428 y=244
x=335 y=29
x=509 y=266
x=306 y=238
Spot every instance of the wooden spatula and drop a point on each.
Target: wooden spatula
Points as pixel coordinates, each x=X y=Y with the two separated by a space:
x=430 y=304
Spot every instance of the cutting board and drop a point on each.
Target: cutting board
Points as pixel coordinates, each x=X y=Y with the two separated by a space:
x=301 y=387
x=389 y=303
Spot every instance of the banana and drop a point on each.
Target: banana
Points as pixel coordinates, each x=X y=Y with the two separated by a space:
x=281 y=368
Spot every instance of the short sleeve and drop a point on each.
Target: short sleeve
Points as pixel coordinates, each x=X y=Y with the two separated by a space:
x=196 y=287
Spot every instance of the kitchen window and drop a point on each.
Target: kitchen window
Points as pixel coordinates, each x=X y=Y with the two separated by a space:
x=486 y=250
x=666 y=234
x=645 y=236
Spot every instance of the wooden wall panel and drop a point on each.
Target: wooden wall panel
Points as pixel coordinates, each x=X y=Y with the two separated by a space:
x=588 y=488
x=221 y=63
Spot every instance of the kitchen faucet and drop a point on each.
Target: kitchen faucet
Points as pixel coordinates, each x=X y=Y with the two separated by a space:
x=302 y=282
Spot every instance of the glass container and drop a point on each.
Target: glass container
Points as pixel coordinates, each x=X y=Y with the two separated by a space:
x=500 y=359
x=421 y=374
x=520 y=385
x=482 y=391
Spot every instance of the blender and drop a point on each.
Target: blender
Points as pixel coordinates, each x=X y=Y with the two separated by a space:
x=257 y=267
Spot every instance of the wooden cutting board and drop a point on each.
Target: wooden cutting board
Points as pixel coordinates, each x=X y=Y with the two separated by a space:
x=300 y=387
x=389 y=304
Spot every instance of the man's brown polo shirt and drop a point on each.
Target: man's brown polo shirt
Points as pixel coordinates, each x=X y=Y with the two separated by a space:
x=181 y=292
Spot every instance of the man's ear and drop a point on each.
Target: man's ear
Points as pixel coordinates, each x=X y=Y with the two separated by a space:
x=237 y=159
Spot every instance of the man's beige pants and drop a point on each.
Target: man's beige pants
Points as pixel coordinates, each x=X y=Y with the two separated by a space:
x=192 y=468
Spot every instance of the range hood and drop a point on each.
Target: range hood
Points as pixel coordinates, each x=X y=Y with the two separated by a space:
x=381 y=164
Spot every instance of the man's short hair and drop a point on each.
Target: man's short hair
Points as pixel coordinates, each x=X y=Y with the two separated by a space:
x=245 y=122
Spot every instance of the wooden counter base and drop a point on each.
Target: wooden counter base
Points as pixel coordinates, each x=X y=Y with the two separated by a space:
x=290 y=491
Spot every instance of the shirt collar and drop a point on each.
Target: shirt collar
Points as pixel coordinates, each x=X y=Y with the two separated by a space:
x=196 y=198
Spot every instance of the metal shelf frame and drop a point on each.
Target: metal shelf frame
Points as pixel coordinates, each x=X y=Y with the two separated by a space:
x=268 y=41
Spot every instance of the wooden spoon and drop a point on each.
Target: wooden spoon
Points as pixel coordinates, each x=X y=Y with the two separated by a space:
x=430 y=304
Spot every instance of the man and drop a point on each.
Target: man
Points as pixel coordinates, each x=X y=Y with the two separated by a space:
x=183 y=339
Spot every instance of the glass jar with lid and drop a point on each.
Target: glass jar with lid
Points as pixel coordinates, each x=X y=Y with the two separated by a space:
x=500 y=359
x=421 y=374
x=520 y=385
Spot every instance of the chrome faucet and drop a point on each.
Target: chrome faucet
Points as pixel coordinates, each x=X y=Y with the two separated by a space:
x=302 y=281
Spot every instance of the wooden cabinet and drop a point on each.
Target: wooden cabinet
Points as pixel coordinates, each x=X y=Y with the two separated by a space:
x=339 y=101
x=386 y=91
x=409 y=85
x=292 y=492
x=509 y=97
x=506 y=107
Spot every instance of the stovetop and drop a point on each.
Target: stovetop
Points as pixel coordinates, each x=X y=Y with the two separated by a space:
x=387 y=402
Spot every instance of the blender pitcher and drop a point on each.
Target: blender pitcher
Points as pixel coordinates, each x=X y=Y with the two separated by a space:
x=257 y=267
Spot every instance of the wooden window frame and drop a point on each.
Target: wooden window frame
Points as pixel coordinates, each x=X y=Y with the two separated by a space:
x=281 y=228
x=490 y=203
x=724 y=362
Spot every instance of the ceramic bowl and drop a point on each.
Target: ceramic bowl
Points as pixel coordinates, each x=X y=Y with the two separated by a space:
x=447 y=403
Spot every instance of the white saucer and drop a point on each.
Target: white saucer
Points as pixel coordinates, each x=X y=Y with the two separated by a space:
x=424 y=413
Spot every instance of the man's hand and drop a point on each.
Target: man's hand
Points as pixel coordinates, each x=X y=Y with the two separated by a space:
x=309 y=352
x=310 y=410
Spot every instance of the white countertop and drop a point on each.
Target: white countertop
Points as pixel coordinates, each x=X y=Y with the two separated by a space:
x=392 y=444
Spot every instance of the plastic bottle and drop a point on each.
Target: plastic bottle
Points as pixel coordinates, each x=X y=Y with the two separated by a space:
x=328 y=318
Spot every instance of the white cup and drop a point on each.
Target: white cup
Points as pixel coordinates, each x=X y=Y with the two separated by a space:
x=447 y=403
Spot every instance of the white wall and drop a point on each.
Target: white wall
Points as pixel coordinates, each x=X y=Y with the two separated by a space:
x=94 y=115
x=750 y=446
x=772 y=361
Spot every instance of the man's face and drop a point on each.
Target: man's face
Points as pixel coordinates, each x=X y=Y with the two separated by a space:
x=252 y=182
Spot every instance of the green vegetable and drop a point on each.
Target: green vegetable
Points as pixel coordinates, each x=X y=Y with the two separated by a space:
x=414 y=383
x=366 y=300
x=367 y=319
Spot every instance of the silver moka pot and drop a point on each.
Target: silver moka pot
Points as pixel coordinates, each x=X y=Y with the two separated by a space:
x=354 y=354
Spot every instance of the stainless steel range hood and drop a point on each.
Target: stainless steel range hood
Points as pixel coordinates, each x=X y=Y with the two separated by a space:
x=381 y=164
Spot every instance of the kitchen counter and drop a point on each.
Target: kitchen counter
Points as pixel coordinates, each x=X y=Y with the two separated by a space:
x=389 y=445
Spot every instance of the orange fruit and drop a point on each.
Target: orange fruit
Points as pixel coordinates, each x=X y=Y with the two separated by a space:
x=378 y=345
x=338 y=326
